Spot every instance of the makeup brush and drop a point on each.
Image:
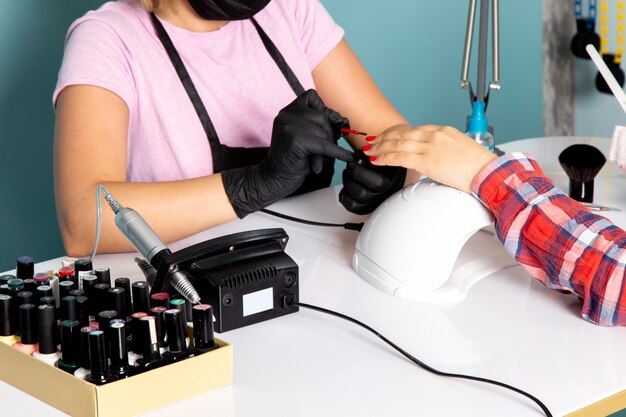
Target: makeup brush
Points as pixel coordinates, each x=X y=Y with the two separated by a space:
x=581 y=164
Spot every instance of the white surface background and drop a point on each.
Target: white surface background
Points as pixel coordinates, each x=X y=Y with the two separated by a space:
x=510 y=328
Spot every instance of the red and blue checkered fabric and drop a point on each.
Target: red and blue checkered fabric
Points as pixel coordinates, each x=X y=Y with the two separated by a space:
x=556 y=239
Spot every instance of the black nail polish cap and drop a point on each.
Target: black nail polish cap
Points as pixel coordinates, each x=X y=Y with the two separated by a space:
x=49 y=300
x=103 y=275
x=141 y=297
x=70 y=341
x=84 y=357
x=65 y=287
x=44 y=291
x=69 y=309
x=82 y=310
x=25 y=297
x=25 y=267
x=28 y=324
x=99 y=366
x=116 y=300
x=104 y=318
x=100 y=297
x=82 y=265
x=6 y=329
x=77 y=293
x=118 y=351
x=47 y=329
x=175 y=328
x=147 y=340
x=125 y=283
x=30 y=285
x=157 y=312
x=4 y=279
x=203 y=334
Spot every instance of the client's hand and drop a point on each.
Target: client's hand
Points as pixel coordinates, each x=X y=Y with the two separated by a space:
x=304 y=133
x=442 y=153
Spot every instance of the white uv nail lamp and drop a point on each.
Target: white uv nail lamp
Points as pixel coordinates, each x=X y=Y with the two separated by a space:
x=429 y=243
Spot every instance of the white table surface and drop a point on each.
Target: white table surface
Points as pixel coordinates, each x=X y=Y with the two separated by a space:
x=510 y=328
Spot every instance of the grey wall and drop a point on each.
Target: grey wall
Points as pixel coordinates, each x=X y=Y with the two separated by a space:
x=412 y=48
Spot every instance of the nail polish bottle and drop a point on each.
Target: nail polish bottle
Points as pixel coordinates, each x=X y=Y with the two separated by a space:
x=82 y=310
x=69 y=309
x=25 y=267
x=65 y=287
x=180 y=305
x=147 y=343
x=141 y=296
x=103 y=275
x=115 y=301
x=43 y=291
x=99 y=367
x=89 y=284
x=82 y=267
x=66 y=273
x=25 y=297
x=7 y=335
x=131 y=337
x=176 y=337
x=160 y=299
x=128 y=302
x=119 y=353
x=100 y=297
x=203 y=334
x=68 y=262
x=157 y=312
x=70 y=344
x=47 y=300
x=47 y=329
x=30 y=285
x=84 y=356
x=28 y=323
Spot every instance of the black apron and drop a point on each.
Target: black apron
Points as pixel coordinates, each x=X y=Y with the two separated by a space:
x=226 y=157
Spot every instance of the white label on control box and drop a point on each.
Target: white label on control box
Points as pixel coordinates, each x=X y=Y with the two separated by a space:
x=258 y=301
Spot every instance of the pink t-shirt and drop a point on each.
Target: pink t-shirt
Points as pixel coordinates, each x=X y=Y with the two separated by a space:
x=116 y=47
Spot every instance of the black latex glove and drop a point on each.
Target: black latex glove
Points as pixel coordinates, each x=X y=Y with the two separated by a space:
x=304 y=133
x=365 y=186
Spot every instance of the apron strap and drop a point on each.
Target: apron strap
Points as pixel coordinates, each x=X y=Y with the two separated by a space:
x=279 y=60
x=181 y=70
x=190 y=88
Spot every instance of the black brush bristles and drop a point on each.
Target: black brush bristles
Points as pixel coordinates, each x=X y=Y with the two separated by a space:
x=581 y=164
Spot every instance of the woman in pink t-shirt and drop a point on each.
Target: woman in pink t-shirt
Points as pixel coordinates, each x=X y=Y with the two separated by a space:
x=206 y=109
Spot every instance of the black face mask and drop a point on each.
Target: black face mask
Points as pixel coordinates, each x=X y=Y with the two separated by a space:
x=227 y=9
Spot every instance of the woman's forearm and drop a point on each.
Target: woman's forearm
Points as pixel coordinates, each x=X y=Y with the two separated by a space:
x=174 y=210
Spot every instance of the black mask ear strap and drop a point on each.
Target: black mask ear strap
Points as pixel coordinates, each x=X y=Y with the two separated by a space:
x=279 y=59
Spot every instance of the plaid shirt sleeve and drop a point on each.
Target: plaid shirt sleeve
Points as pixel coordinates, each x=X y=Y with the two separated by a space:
x=556 y=239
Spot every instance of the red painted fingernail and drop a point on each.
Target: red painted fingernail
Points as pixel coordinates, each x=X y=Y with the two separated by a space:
x=367 y=148
x=370 y=138
x=373 y=158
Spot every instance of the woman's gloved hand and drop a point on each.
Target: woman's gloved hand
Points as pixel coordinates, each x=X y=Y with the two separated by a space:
x=304 y=133
x=366 y=186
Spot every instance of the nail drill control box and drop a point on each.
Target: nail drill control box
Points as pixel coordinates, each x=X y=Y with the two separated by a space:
x=127 y=397
x=244 y=276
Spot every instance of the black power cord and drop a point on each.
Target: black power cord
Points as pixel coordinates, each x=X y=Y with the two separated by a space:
x=348 y=226
x=288 y=300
